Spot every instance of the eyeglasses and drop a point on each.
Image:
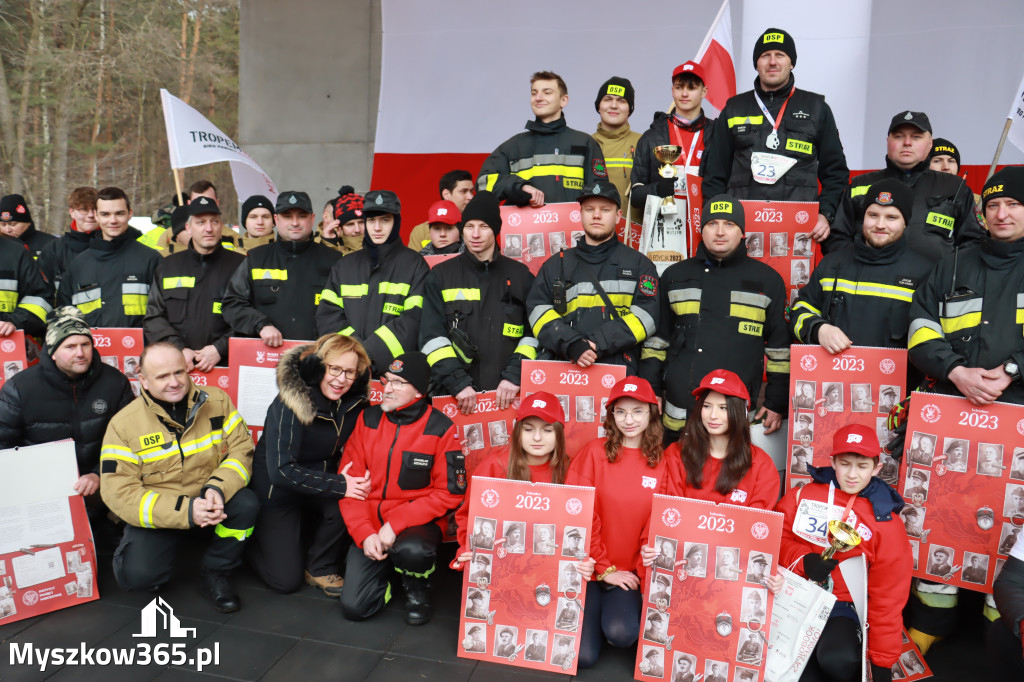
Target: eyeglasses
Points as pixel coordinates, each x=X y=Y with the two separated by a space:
x=637 y=414
x=397 y=383
x=336 y=371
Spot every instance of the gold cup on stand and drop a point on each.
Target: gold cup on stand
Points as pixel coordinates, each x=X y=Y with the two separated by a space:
x=668 y=154
x=842 y=536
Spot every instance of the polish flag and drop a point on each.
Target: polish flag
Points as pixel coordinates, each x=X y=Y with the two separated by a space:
x=715 y=56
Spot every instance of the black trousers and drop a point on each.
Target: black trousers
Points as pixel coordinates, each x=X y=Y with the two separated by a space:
x=276 y=552
x=1006 y=660
x=145 y=557
x=367 y=582
x=837 y=656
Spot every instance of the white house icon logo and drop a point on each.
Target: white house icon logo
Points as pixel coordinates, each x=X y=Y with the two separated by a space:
x=158 y=617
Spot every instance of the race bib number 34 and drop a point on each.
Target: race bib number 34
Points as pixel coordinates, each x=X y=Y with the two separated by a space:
x=812 y=517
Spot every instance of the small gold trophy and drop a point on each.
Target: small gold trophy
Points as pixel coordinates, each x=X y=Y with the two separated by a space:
x=668 y=154
x=842 y=536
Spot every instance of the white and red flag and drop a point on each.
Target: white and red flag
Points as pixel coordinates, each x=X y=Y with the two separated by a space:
x=715 y=56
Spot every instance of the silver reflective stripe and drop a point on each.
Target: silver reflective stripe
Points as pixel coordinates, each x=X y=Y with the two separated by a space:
x=674 y=412
x=644 y=317
x=777 y=354
x=655 y=343
x=610 y=286
x=680 y=295
x=86 y=296
x=35 y=300
x=9 y=284
x=538 y=312
x=1020 y=300
x=958 y=308
x=529 y=341
x=547 y=160
x=434 y=344
x=131 y=288
x=920 y=323
x=745 y=298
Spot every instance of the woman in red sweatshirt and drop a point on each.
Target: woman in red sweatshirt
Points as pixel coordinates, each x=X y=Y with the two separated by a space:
x=720 y=463
x=626 y=468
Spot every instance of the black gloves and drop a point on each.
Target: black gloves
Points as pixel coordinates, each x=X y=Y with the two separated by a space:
x=818 y=569
x=312 y=369
x=666 y=187
x=577 y=348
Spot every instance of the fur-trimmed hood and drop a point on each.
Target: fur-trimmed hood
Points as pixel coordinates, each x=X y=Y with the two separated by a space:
x=305 y=400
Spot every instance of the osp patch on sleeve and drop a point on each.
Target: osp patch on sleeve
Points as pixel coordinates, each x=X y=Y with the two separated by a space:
x=649 y=285
x=599 y=169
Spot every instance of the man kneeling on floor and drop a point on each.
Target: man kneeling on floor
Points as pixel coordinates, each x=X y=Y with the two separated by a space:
x=417 y=473
x=178 y=458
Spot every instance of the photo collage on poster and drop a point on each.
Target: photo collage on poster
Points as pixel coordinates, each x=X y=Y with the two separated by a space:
x=911 y=664
x=523 y=596
x=779 y=234
x=860 y=385
x=532 y=235
x=706 y=606
x=957 y=451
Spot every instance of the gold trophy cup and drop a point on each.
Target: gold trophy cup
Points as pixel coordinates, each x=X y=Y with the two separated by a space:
x=842 y=536
x=668 y=154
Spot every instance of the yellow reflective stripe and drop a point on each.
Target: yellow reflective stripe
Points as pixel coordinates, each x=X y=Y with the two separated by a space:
x=1020 y=316
x=954 y=324
x=544 y=170
x=8 y=301
x=686 y=308
x=220 y=530
x=390 y=340
x=807 y=306
x=134 y=304
x=179 y=282
x=352 y=290
x=651 y=353
x=37 y=310
x=269 y=273
x=449 y=295
x=158 y=452
x=741 y=120
x=780 y=367
x=527 y=350
x=392 y=309
x=347 y=331
x=489 y=181
x=596 y=301
x=90 y=306
x=198 y=445
x=547 y=317
x=441 y=354
x=798 y=328
x=923 y=335
x=146 y=509
x=868 y=289
x=217 y=307
x=118 y=452
x=238 y=468
x=414 y=302
x=858 y=191
x=395 y=288
x=234 y=419
x=514 y=330
x=331 y=297
x=747 y=312
x=636 y=327
x=618 y=162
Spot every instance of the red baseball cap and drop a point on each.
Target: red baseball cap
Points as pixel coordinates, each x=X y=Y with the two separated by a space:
x=856 y=439
x=725 y=382
x=542 y=405
x=444 y=212
x=633 y=387
x=690 y=67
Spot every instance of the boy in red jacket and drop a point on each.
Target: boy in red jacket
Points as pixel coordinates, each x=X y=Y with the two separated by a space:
x=851 y=491
x=417 y=473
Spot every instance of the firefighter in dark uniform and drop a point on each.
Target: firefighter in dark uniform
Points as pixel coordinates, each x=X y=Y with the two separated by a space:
x=469 y=303
x=598 y=301
x=188 y=292
x=376 y=293
x=25 y=296
x=109 y=281
x=57 y=255
x=274 y=293
x=777 y=142
x=16 y=223
x=966 y=324
x=550 y=162
x=860 y=295
x=944 y=209
x=722 y=310
x=258 y=220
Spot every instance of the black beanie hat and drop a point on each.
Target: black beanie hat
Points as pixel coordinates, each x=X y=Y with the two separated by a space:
x=616 y=86
x=348 y=206
x=414 y=368
x=891 y=192
x=724 y=207
x=775 y=39
x=256 y=201
x=179 y=218
x=1009 y=182
x=942 y=146
x=14 y=208
x=484 y=206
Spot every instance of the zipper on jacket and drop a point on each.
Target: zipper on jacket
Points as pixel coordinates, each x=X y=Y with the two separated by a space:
x=387 y=474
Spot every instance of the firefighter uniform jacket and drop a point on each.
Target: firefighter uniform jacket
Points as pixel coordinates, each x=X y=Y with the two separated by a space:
x=152 y=466
x=25 y=295
x=552 y=157
x=645 y=169
x=807 y=134
x=628 y=278
x=417 y=469
x=186 y=298
x=35 y=241
x=487 y=301
x=969 y=312
x=109 y=281
x=726 y=314
x=58 y=254
x=279 y=284
x=864 y=291
x=618 y=148
x=944 y=213
x=378 y=303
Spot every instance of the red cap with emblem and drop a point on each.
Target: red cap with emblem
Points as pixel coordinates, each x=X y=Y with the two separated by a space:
x=856 y=439
x=725 y=382
x=689 y=67
x=444 y=212
x=542 y=405
x=633 y=387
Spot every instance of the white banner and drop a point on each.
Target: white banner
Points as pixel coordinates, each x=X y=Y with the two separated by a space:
x=1016 y=115
x=193 y=141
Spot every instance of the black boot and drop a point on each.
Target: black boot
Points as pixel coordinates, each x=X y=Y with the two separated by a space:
x=417 y=600
x=214 y=586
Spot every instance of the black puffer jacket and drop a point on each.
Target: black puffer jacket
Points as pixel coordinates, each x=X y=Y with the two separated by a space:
x=42 y=404
x=304 y=436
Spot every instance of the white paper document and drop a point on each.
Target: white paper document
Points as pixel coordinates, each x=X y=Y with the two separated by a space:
x=42 y=523
x=41 y=567
x=257 y=388
x=799 y=615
